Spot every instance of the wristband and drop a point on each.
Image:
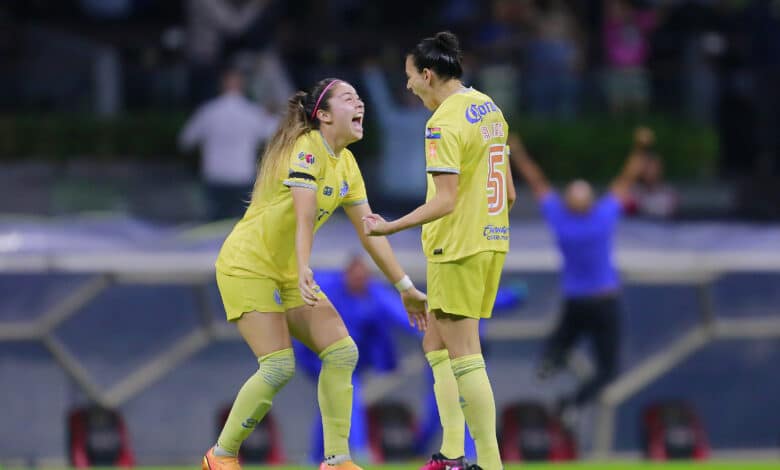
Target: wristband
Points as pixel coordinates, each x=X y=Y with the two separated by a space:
x=404 y=284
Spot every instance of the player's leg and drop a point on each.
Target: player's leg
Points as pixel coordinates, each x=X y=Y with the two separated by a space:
x=561 y=340
x=457 y=321
x=445 y=389
x=603 y=328
x=267 y=336
x=321 y=329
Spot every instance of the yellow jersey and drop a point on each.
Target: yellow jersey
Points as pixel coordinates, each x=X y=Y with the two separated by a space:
x=262 y=244
x=467 y=135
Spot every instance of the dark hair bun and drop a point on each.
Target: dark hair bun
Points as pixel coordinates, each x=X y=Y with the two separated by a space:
x=447 y=42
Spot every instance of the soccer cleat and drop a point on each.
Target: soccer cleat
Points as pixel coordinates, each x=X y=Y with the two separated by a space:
x=348 y=465
x=215 y=462
x=440 y=462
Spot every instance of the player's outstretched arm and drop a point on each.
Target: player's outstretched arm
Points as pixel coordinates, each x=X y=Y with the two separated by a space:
x=440 y=205
x=644 y=138
x=530 y=171
x=382 y=253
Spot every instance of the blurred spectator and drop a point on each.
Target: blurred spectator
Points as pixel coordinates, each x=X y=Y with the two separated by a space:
x=268 y=81
x=500 y=41
x=552 y=61
x=651 y=196
x=402 y=169
x=209 y=23
x=229 y=130
x=584 y=230
x=626 y=44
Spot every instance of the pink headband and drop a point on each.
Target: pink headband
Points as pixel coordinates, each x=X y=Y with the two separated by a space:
x=324 y=90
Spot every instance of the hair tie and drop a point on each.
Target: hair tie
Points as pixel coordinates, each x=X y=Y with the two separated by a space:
x=317 y=104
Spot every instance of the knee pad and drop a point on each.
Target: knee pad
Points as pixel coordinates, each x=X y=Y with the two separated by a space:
x=342 y=354
x=277 y=368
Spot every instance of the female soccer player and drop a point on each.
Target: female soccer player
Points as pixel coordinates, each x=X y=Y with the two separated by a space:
x=465 y=238
x=263 y=271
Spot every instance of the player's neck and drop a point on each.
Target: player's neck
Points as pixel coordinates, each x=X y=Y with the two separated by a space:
x=445 y=90
x=332 y=142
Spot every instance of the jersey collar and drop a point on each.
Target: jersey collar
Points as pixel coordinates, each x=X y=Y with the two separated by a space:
x=327 y=147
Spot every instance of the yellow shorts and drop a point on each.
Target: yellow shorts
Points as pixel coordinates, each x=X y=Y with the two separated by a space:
x=258 y=294
x=466 y=287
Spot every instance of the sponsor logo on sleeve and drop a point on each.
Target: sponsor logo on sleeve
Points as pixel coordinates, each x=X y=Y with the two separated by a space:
x=344 y=189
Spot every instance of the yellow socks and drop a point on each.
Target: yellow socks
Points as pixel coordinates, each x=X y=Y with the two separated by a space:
x=254 y=399
x=479 y=408
x=445 y=387
x=334 y=392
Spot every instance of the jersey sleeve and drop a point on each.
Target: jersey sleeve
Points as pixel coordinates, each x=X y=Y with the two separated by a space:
x=304 y=168
x=609 y=207
x=442 y=152
x=552 y=208
x=356 y=187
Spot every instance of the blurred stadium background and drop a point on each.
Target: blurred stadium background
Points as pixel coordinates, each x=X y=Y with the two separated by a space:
x=107 y=293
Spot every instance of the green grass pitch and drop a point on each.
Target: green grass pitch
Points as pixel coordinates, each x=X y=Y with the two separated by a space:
x=624 y=465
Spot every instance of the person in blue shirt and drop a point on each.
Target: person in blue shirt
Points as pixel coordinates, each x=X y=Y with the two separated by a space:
x=371 y=311
x=584 y=229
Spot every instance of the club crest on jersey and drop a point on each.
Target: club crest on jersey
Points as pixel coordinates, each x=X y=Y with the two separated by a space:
x=433 y=133
x=476 y=112
x=344 y=189
x=305 y=160
x=328 y=191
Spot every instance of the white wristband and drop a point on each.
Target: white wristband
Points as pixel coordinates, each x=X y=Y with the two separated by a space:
x=404 y=284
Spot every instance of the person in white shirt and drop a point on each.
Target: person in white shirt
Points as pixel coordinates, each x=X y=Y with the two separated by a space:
x=229 y=130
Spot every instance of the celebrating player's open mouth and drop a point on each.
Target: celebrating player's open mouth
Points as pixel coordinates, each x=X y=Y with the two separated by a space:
x=357 y=123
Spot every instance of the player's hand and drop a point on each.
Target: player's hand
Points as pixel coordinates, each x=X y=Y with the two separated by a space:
x=415 y=305
x=644 y=137
x=308 y=287
x=375 y=225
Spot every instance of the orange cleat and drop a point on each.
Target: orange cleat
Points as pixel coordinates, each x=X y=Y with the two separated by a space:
x=348 y=465
x=215 y=462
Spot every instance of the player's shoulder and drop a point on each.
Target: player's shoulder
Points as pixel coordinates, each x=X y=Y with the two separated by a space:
x=467 y=107
x=307 y=139
x=348 y=157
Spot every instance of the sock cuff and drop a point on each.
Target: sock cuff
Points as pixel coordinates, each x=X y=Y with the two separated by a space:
x=286 y=352
x=343 y=353
x=277 y=368
x=465 y=364
x=437 y=357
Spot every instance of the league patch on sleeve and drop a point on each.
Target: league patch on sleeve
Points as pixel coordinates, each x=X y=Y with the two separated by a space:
x=305 y=160
x=433 y=133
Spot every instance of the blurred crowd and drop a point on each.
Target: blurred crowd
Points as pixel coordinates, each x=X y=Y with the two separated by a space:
x=716 y=62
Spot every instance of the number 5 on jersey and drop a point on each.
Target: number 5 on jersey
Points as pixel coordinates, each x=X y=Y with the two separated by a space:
x=496 y=182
